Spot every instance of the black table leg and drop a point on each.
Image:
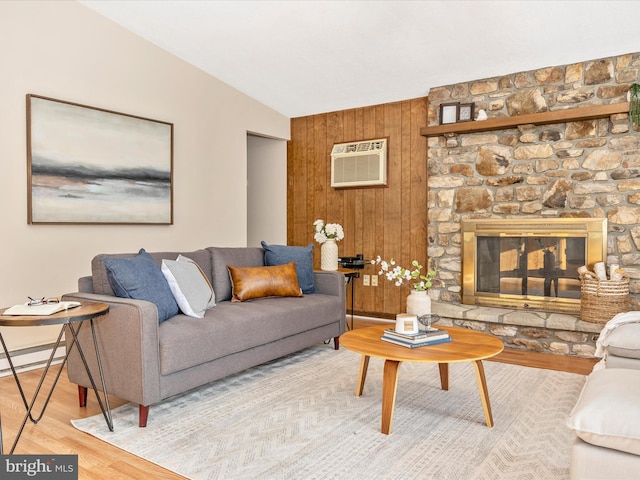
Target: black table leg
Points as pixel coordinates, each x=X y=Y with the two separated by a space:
x=106 y=410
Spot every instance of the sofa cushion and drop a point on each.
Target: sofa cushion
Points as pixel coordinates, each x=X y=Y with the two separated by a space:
x=259 y=282
x=189 y=285
x=140 y=277
x=237 y=256
x=303 y=256
x=624 y=341
x=233 y=327
x=608 y=410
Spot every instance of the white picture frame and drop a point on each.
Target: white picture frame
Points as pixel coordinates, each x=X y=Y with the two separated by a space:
x=449 y=113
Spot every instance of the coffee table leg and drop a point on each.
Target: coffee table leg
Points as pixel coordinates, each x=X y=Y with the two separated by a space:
x=444 y=375
x=389 y=387
x=364 y=365
x=484 y=392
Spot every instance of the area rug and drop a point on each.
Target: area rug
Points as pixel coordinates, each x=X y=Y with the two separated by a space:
x=299 y=418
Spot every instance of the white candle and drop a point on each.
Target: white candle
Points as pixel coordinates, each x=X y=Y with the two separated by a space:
x=406 y=323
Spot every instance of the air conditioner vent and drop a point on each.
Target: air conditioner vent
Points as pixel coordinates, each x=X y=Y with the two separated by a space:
x=358 y=164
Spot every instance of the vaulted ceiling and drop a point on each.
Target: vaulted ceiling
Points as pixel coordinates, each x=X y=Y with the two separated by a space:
x=307 y=57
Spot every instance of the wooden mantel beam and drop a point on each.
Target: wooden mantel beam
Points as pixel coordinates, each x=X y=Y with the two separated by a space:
x=557 y=116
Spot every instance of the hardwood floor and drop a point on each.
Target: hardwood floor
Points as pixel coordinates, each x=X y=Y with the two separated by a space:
x=54 y=434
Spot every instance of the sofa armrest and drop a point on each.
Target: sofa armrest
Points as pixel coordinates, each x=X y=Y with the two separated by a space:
x=333 y=283
x=85 y=284
x=128 y=339
x=329 y=283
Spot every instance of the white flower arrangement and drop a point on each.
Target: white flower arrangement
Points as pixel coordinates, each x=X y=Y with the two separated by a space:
x=405 y=277
x=324 y=231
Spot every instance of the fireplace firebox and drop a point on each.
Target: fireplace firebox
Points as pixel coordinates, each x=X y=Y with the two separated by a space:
x=529 y=263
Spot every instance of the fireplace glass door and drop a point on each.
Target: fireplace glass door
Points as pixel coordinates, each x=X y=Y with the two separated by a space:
x=529 y=263
x=541 y=266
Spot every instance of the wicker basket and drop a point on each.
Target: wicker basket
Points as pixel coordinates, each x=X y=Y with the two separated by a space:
x=601 y=300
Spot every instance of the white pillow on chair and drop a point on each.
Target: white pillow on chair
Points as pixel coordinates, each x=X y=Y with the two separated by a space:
x=624 y=341
x=607 y=413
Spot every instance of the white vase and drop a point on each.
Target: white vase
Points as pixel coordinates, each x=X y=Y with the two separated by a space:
x=418 y=303
x=329 y=255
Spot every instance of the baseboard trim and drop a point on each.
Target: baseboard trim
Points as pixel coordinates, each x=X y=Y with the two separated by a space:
x=370 y=319
x=31 y=358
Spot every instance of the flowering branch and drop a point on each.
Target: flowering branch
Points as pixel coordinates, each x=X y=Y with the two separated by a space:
x=404 y=277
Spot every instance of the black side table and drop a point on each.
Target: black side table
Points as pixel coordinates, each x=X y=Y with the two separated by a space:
x=71 y=321
x=350 y=276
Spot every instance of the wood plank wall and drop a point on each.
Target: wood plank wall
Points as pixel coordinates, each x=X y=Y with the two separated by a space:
x=388 y=221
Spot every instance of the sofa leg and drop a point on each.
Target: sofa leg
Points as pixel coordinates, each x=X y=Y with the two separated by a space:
x=143 y=412
x=82 y=395
x=336 y=343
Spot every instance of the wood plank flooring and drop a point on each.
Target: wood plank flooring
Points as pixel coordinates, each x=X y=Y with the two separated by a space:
x=98 y=460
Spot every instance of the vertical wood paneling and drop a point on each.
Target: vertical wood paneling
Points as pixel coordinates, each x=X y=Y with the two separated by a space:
x=320 y=185
x=388 y=221
x=372 y=216
x=361 y=304
x=297 y=173
x=393 y=245
x=311 y=173
x=335 y=197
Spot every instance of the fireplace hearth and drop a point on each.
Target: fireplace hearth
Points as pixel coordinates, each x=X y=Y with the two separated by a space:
x=529 y=263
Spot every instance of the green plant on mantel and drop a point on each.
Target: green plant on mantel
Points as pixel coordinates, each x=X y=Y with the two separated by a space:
x=634 y=104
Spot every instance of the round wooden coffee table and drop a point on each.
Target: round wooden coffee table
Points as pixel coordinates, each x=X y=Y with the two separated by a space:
x=466 y=346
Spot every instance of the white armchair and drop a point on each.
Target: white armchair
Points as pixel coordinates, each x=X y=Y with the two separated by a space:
x=606 y=418
x=622 y=346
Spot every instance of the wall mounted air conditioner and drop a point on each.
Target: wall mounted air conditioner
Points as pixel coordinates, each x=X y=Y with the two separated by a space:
x=359 y=164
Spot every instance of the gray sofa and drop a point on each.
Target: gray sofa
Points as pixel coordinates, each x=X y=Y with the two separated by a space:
x=146 y=361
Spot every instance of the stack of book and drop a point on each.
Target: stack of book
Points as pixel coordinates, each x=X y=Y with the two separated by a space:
x=413 y=340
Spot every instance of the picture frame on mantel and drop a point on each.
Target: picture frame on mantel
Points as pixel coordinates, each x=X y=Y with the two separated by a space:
x=466 y=112
x=88 y=165
x=449 y=113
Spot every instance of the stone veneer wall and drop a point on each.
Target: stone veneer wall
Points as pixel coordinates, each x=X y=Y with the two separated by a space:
x=575 y=169
x=531 y=330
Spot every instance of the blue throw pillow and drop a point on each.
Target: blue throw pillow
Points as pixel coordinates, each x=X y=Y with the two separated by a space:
x=140 y=277
x=303 y=256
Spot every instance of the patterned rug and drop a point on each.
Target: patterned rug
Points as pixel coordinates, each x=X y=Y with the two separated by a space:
x=299 y=418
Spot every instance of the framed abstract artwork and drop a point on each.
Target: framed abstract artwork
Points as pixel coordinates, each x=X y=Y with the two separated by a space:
x=87 y=165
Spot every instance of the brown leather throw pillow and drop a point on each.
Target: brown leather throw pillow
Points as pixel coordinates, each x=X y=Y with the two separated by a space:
x=258 y=282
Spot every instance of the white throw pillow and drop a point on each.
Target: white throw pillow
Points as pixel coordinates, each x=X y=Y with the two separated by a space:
x=189 y=286
x=624 y=341
x=607 y=413
x=212 y=301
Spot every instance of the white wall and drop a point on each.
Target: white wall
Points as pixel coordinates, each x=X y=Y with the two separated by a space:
x=267 y=191
x=63 y=50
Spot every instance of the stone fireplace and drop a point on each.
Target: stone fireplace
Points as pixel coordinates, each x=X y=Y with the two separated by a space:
x=582 y=169
x=529 y=264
